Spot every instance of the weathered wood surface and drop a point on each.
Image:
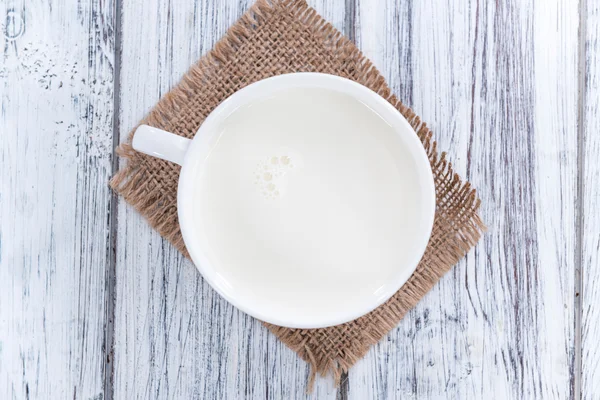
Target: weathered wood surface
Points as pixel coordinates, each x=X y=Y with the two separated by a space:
x=590 y=193
x=497 y=83
x=502 y=85
x=174 y=336
x=56 y=139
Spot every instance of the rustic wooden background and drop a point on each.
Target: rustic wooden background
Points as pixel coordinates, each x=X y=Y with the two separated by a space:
x=95 y=305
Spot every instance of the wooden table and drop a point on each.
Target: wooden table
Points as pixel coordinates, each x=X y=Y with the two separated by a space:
x=95 y=305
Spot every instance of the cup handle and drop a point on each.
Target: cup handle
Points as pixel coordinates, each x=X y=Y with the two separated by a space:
x=162 y=144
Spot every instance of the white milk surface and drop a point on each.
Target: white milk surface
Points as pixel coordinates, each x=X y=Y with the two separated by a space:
x=306 y=202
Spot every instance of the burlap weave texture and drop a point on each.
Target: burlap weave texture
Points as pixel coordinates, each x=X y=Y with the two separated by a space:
x=277 y=37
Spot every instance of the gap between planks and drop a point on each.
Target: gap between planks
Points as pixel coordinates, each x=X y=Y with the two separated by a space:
x=110 y=296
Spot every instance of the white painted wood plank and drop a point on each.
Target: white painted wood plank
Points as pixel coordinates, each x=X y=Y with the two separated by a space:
x=590 y=230
x=174 y=336
x=498 y=86
x=56 y=94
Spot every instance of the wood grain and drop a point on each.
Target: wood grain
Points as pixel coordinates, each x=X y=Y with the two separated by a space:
x=56 y=93
x=498 y=86
x=590 y=192
x=174 y=336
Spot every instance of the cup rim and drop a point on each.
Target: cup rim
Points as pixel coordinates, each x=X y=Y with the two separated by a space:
x=199 y=150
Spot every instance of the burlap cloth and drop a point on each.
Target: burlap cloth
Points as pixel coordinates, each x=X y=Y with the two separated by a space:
x=276 y=37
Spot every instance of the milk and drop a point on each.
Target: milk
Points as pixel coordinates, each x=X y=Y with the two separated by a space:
x=306 y=202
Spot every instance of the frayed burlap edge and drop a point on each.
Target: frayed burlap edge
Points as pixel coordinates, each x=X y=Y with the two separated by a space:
x=142 y=192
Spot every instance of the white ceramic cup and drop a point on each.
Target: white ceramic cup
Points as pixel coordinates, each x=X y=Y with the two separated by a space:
x=192 y=154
